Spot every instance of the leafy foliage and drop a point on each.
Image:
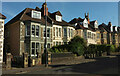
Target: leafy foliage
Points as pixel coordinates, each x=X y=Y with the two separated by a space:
x=77 y=45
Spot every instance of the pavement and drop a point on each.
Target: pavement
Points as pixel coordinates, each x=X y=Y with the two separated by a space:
x=14 y=70
x=101 y=65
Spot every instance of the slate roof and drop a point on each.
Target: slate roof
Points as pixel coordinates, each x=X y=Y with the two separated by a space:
x=92 y=23
x=76 y=20
x=63 y=22
x=80 y=26
x=103 y=27
x=2 y=16
x=25 y=15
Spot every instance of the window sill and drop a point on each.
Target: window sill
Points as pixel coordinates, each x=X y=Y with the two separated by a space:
x=47 y=37
x=33 y=55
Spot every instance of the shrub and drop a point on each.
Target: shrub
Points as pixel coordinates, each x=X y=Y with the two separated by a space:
x=110 y=48
x=58 y=49
x=77 y=45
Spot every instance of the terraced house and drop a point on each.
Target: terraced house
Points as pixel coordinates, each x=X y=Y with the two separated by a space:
x=2 y=18
x=110 y=34
x=119 y=35
x=103 y=33
x=87 y=30
x=26 y=31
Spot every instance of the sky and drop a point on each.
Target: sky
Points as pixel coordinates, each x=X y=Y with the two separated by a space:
x=103 y=12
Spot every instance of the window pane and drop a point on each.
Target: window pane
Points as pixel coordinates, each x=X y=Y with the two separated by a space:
x=56 y=43
x=44 y=32
x=98 y=35
x=56 y=31
x=37 y=30
x=65 y=32
x=71 y=32
x=38 y=15
x=33 y=30
x=60 y=32
x=59 y=43
x=33 y=48
x=48 y=46
x=28 y=30
x=48 y=32
x=34 y=14
x=37 y=47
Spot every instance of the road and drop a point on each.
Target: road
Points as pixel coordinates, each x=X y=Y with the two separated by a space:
x=103 y=65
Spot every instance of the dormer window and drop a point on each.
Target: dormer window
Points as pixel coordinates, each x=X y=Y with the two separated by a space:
x=36 y=14
x=96 y=24
x=75 y=24
x=85 y=23
x=58 y=18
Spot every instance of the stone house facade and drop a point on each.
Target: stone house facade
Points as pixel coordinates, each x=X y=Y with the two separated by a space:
x=112 y=33
x=2 y=18
x=26 y=31
x=86 y=29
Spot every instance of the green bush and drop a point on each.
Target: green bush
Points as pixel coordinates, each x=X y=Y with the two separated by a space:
x=110 y=48
x=77 y=45
x=58 y=49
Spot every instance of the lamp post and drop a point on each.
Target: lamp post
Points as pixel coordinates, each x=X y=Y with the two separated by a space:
x=46 y=53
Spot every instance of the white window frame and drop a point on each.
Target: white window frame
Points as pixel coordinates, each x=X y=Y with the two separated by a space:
x=58 y=18
x=47 y=32
x=37 y=12
x=32 y=30
x=27 y=30
x=38 y=31
x=39 y=48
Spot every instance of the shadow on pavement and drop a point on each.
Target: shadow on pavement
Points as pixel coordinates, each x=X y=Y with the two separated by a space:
x=102 y=65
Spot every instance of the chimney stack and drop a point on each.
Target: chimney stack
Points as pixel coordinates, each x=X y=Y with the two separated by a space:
x=43 y=9
x=110 y=24
x=87 y=17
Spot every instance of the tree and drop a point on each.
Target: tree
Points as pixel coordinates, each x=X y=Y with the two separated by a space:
x=77 y=45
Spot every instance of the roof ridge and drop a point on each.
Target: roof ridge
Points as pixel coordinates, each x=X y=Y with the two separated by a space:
x=14 y=18
x=23 y=13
